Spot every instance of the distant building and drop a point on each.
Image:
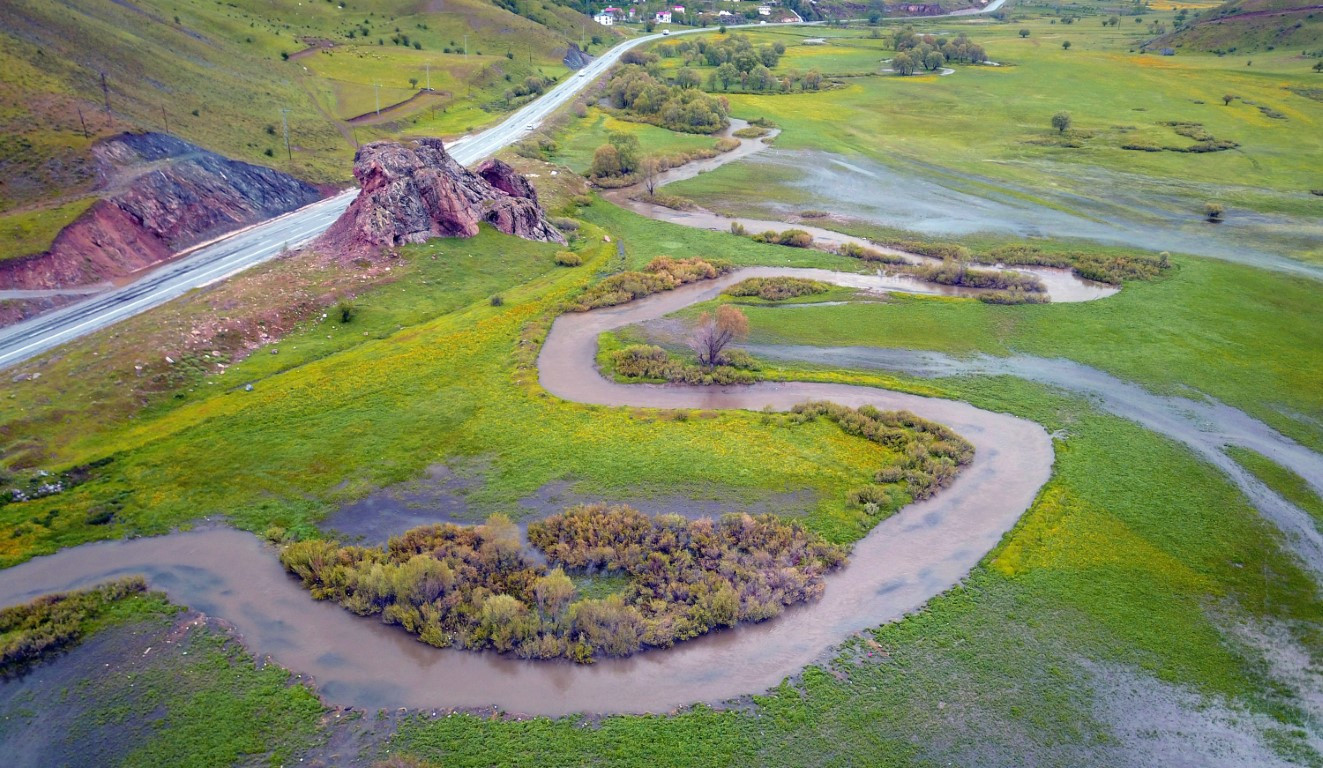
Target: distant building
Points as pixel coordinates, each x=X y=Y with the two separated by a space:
x=605 y=19
x=663 y=17
x=764 y=10
x=678 y=9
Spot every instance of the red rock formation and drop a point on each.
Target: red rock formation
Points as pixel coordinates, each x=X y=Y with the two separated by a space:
x=416 y=191
x=167 y=195
x=105 y=241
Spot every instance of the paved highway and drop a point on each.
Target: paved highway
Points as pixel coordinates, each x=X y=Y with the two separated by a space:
x=264 y=241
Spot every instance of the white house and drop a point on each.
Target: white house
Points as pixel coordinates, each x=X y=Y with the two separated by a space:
x=764 y=10
x=663 y=17
x=605 y=19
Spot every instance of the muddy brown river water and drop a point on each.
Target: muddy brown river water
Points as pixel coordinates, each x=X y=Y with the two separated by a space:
x=921 y=551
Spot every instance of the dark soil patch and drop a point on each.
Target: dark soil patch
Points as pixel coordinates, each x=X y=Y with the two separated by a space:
x=553 y=497
x=439 y=496
x=443 y=494
x=44 y=714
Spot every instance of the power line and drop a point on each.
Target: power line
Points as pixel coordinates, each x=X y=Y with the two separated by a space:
x=105 y=91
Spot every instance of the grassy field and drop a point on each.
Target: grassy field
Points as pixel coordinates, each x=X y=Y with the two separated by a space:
x=31 y=231
x=590 y=132
x=1291 y=486
x=1133 y=561
x=991 y=672
x=994 y=122
x=1136 y=556
x=423 y=372
x=1138 y=567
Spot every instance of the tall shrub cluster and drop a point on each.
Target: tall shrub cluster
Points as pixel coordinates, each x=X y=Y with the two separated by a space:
x=663 y=273
x=473 y=587
x=933 y=452
x=952 y=272
x=50 y=623
x=1105 y=268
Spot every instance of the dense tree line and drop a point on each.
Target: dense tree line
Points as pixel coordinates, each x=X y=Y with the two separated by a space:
x=929 y=52
x=737 y=50
x=473 y=587
x=679 y=108
x=734 y=61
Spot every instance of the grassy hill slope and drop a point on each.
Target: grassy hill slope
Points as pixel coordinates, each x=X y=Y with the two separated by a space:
x=219 y=74
x=1243 y=26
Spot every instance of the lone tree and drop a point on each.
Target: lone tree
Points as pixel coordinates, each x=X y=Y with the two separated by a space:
x=1061 y=121
x=1318 y=66
x=606 y=162
x=1227 y=98
x=1024 y=31
x=1213 y=211
x=714 y=332
x=651 y=169
x=1065 y=45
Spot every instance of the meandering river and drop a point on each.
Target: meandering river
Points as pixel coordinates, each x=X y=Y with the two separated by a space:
x=920 y=552
x=923 y=550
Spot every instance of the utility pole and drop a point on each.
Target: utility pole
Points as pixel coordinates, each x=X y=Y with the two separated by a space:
x=466 y=46
x=165 y=118
x=105 y=91
x=284 y=122
x=81 y=121
x=377 y=89
x=428 y=66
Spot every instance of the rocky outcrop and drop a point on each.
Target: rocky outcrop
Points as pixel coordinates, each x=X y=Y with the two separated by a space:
x=412 y=192
x=163 y=196
x=576 y=58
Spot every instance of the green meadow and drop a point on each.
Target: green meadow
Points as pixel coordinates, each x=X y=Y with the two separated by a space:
x=1132 y=561
x=991 y=125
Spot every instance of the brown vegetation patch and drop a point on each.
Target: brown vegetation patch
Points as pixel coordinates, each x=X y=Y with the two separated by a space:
x=662 y=274
x=472 y=587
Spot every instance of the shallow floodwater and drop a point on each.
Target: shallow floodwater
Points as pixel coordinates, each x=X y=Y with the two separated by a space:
x=860 y=188
x=1062 y=285
x=1206 y=426
x=912 y=556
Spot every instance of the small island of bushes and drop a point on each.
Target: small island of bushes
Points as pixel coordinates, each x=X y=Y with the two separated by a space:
x=474 y=587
